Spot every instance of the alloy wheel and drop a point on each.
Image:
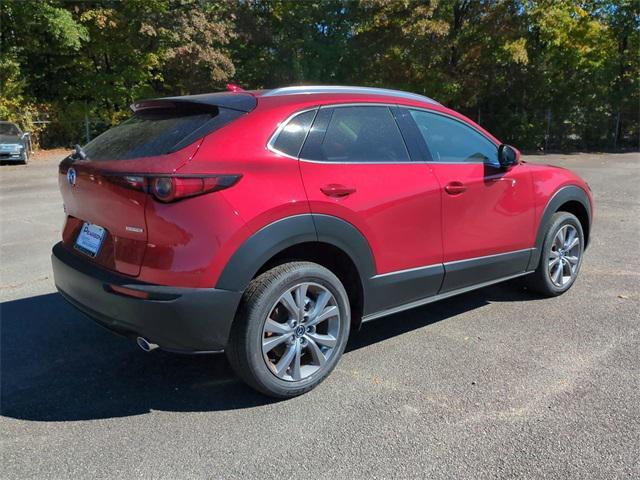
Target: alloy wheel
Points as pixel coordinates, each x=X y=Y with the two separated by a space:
x=564 y=256
x=301 y=332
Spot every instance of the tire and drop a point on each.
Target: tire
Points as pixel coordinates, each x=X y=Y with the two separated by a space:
x=553 y=281
x=266 y=355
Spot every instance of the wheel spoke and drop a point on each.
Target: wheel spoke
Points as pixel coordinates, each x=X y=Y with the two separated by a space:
x=328 y=312
x=321 y=302
x=572 y=260
x=326 y=340
x=569 y=267
x=553 y=262
x=560 y=238
x=295 y=370
x=566 y=270
x=271 y=326
x=318 y=357
x=570 y=238
x=290 y=304
x=301 y=295
x=571 y=245
x=270 y=343
x=285 y=361
x=556 y=276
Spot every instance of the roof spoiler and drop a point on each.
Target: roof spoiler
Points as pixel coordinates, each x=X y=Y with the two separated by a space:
x=206 y=102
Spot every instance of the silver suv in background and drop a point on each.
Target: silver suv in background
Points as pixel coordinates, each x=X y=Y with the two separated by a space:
x=15 y=144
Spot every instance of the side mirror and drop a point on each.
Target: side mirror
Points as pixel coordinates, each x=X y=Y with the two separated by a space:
x=79 y=152
x=508 y=156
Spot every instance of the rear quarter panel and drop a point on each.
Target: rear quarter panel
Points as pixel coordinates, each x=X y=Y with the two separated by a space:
x=191 y=241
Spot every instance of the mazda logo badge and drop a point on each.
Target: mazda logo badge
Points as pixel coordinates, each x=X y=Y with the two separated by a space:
x=71 y=176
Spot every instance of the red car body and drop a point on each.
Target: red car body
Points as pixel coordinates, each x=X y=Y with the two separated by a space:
x=405 y=233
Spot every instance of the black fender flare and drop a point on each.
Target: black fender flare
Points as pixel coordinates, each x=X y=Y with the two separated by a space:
x=349 y=239
x=288 y=232
x=563 y=195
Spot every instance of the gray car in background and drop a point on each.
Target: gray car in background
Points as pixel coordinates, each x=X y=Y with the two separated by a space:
x=15 y=144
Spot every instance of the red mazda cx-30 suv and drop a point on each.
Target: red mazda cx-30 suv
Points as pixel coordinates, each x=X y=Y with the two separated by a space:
x=269 y=224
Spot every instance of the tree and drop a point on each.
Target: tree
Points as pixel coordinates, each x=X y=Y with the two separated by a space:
x=95 y=58
x=557 y=73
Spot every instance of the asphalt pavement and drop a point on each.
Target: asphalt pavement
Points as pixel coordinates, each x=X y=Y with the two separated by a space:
x=497 y=383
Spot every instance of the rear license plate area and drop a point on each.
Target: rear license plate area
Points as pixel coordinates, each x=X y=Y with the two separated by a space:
x=90 y=239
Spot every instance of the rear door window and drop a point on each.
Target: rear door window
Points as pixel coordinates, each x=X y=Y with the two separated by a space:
x=157 y=132
x=356 y=134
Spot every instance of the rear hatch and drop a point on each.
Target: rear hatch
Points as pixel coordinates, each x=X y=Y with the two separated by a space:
x=103 y=184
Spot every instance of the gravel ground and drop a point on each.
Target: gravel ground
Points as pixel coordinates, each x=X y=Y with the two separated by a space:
x=496 y=383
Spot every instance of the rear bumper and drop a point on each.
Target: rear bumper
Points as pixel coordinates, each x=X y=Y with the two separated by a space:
x=186 y=320
x=13 y=157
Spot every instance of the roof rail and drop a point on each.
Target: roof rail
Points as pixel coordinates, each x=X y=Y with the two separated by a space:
x=307 y=90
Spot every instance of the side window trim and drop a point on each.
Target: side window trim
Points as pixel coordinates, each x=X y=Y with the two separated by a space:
x=276 y=133
x=451 y=117
x=415 y=144
x=316 y=134
x=314 y=140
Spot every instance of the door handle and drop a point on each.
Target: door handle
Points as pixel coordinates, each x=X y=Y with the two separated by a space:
x=512 y=181
x=337 y=190
x=455 y=188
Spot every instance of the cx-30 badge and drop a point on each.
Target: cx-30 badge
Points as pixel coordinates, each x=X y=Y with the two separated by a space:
x=71 y=176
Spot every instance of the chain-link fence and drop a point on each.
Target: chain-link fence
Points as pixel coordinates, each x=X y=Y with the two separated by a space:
x=67 y=134
x=537 y=130
x=549 y=131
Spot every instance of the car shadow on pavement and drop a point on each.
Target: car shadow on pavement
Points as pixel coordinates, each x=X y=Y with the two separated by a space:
x=58 y=366
x=403 y=322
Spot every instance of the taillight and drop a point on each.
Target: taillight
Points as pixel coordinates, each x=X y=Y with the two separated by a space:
x=136 y=182
x=163 y=188
x=170 y=188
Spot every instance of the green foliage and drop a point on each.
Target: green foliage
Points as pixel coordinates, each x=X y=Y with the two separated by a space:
x=93 y=59
x=557 y=73
x=11 y=87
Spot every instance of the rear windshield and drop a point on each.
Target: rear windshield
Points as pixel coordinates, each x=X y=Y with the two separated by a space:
x=156 y=132
x=8 y=129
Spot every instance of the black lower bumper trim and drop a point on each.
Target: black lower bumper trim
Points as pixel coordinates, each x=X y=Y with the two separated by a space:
x=188 y=320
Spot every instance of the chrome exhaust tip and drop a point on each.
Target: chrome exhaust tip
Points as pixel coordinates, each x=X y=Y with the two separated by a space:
x=145 y=345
